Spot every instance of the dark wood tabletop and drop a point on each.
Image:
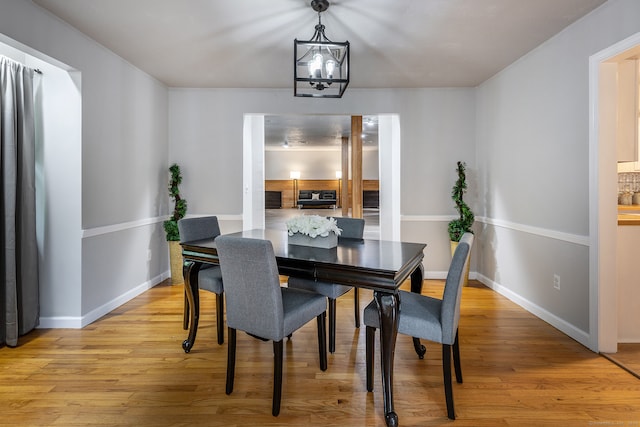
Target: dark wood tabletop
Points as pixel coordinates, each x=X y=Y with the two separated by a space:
x=373 y=264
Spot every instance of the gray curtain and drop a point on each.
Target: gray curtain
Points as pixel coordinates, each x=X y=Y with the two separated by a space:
x=19 y=296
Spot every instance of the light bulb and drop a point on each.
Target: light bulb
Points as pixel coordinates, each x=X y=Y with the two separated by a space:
x=315 y=66
x=330 y=66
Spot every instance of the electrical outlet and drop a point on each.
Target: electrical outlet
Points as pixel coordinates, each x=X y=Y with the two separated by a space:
x=149 y=254
x=556 y=281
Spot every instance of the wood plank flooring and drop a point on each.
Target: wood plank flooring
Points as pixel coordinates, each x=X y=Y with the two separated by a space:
x=128 y=369
x=627 y=357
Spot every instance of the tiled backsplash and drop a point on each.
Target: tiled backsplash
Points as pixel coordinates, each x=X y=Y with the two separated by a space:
x=628 y=188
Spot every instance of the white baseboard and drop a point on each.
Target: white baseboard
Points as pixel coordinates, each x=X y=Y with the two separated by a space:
x=66 y=322
x=579 y=335
x=628 y=340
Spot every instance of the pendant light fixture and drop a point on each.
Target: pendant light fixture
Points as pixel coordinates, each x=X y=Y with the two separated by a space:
x=321 y=67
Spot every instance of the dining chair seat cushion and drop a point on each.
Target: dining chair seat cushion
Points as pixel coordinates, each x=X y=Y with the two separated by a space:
x=329 y=290
x=210 y=279
x=430 y=318
x=299 y=306
x=420 y=316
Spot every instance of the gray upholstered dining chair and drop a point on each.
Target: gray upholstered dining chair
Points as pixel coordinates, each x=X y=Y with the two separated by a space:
x=352 y=228
x=209 y=276
x=258 y=305
x=431 y=319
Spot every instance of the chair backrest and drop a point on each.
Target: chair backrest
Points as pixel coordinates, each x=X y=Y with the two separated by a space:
x=198 y=228
x=252 y=286
x=450 y=312
x=304 y=194
x=352 y=228
x=327 y=194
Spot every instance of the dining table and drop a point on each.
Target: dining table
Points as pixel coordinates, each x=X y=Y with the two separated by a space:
x=379 y=265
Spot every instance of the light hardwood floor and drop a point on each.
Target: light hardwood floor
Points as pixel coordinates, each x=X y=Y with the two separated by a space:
x=128 y=369
x=627 y=357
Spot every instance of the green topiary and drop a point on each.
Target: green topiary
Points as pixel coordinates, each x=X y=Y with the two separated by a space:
x=180 y=206
x=461 y=225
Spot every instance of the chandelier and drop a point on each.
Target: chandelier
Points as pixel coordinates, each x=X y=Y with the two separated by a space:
x=321 y=68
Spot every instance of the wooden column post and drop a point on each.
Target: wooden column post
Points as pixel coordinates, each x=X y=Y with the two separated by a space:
x=356 y=166
x=345 y=200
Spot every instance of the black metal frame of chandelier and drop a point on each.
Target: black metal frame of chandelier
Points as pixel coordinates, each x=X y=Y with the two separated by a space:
x=319 y=92
x=310 y=80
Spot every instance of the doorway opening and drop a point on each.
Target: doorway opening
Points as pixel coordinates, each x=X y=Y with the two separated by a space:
x=306 y=154
x=603 y=294
x=389 y=146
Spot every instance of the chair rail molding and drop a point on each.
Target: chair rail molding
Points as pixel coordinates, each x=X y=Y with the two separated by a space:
x=538 y=231
x=114 y=228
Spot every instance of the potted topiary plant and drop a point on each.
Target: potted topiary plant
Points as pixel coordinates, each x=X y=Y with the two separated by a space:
x=171 y=225
x=462 y=224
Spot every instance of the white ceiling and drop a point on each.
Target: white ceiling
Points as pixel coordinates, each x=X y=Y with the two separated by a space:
x=304 y=132
x=249 y=43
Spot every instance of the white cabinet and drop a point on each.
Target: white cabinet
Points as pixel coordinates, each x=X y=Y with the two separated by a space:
x=627 y=112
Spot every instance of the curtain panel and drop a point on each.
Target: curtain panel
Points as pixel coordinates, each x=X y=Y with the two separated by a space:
x=19 y=292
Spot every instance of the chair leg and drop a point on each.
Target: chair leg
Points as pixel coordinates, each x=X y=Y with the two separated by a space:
x=185 y=319
x=456 y=359
x=231 y=359
x=419 y=348
x=370 y=349
x=220 y=317
x=332 y=325
x=356 y=306
x=322 y=340
x=446 y=371
x=277 y=377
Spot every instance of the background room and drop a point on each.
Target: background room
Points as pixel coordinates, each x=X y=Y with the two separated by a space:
x=311 y=153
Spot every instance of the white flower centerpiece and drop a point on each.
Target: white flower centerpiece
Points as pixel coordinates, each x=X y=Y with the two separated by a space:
x=313 y=230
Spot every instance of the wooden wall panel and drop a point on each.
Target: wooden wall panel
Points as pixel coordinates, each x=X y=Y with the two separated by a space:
x=283 y=185
x=286 y=187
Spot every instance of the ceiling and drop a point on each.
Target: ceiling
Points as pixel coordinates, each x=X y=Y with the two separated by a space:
x=249 y=43
x=295 y=132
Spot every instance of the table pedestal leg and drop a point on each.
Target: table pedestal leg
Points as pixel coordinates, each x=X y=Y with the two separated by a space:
x=193 y=296
x=416 y=279
x=416 y=287
x=388 y=309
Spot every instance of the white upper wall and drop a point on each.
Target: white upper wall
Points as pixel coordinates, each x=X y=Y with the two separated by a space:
x=205 y=132
x=124 y=116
